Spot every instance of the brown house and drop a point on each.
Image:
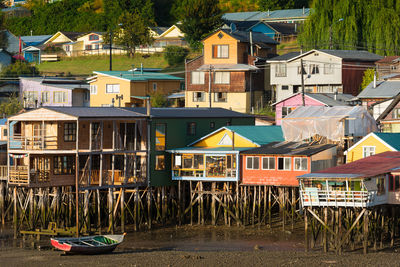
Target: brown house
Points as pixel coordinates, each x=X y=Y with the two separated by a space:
x=388 y=65
x=230 y=73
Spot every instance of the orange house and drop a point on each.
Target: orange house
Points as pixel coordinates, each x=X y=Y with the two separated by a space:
x=278 y=164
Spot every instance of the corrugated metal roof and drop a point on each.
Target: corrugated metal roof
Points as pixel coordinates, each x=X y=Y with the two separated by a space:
x=283 y=28
x=289 y=148
x=138 y=76
x=243 y=36
x=367 y=167
x=228 y=67
x=357 y=55
x=383 y=89
x=268 y=15
x=284 y=57
x=190 y=113
x=329 y=98
x=159 y=30
x=393 y=139
x=195 y=149
x=35 y=39
x=260 y=135
x=97 y=112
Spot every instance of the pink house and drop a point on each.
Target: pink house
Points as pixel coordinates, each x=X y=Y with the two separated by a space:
x=287 y=105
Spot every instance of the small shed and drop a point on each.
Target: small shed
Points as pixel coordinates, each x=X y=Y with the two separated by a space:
x=31 y=54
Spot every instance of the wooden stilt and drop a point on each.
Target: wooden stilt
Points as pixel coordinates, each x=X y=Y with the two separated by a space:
x=2 y=201
x=237 y=204
x=149 y=196
x=306 y=243
x=393 y=226
x=213 y=214
x=110 y=211
x=265 y=205
x=325 y=231
x=15 y=214
x=339 y=236
x=191 y=203
x=98 y=211
x=122 y=192
x=86 y=211
x=365 y=232
x=179 y=203
x=270 y=207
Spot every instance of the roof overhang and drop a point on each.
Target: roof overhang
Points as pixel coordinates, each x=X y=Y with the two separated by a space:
x=228 y=67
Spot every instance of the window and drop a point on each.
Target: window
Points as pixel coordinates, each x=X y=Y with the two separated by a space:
x=60 y=97
x=197 y=77
x=212 y=125
x=67 y=48
x=284 y=164
x=198 y=97
x=160 y=136
x=396 y=182
x=112 y=88
x=154 y=86
x=45 y=97
x=220 y=97
x=191 y=128
x=280 y=70
x=69 y=132
x=222 y=77
x=4 y=132
x=368 y=151
x=252 y=163
x=93 y=37
x=160 y=162
x=64 y=165
x=299 y=69
x=300 y=164
x=30 y=96
x=268 y=163
x=86 y=96
x=314 y=69
x=96 y=46
x=328 y=68
x=88 y=47
x=220 y=51
x=93 y=89
x=396 y=113
x=380 y=184
x=286 y=111
x=285 y=87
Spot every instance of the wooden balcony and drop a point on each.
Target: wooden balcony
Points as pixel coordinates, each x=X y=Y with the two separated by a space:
x=18 y=175
x=314 y=197
x=3 y=172
x=19 y=142
x=119 y=178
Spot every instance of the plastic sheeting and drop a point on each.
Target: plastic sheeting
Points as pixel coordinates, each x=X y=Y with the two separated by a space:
x=330 y=122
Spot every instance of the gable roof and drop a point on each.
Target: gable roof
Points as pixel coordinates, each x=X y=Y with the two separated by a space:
x=96 y=112
x=284 y=57
x=159 y=30
x=170 y=29
x=366 y=167
x=289 y=148
x=244 y=37
x=138 y=76
x=72 y=36
x=392 y=139
x=283 y=28
x=268 y=15
x=384 y=139
x=260 y=135
x=383 y=89
x=389 y=108
x=325 y=98
x=35 y=40
x=388 y=60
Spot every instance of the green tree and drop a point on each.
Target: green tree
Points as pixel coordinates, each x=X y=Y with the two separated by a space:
x=158 y=100
x=368 y=77
x=19 y=68
x=199 y=18
x=175 y=54
x=132 y=32
x=11 y=107
x=281 y=4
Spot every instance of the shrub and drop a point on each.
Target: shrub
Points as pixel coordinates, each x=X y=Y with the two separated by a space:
x=175 y=54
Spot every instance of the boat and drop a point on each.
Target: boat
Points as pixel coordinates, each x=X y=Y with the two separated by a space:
x=98 y=244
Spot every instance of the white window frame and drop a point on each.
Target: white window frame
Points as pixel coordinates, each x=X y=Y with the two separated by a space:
x=93 y=89
x=252 y=162
x=280 y=70
x=222 y=77
x=60 y=94
x=47 y=98
x=197 y=77
x=269 y=167
x=284 y=160
x=216 y=98
x=199 y=99
x=371 y=151
x=302 y=168
x=222 y=51
x=314 y=69
x=329 y=68
x=112 y=88
x=154 y=87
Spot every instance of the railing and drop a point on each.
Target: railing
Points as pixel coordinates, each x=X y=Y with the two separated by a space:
x=207 y=174
x=327 y=198
x=40 y=176
x=18 y=175
x=3 y=172
x=119 y=177
x=33 y=142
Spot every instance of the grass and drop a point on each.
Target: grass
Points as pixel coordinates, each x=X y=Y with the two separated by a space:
x=285 y=48
x=85 y=65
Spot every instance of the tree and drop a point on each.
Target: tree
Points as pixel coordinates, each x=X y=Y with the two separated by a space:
x=19 y=68
x=199 y=18
x=11 y=107
x=132 y=32
x=158 y=100
x=281 y=4
x=175 y=54
x=368 y=77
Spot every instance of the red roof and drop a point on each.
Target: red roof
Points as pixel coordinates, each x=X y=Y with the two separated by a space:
x=370 y=166
x=388 y=59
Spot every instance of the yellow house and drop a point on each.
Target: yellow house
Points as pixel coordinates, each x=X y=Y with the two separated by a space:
x=87 y=44
x=231 y=72
x=131 y=87
x=60 y=38
x=373 y=143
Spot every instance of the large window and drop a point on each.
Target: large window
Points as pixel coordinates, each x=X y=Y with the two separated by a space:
x=299 y=70
x=396 y=113
x=222 y=77
x=64 y=165
x=60 y=97
x=198 y=97
x=220 y=51
x=45 y=97
x=93 y=37
x=112 y=88
x=252 y=163
x=88 y=47
x=93 y=89
x=220 y=97
x=160 y=162
x=191 y=128
x=314 y=69
x=280 y=70
x=197 y=77
x=268 y=163
x=31 y=96
x=286 y=111
x=328 y=68
x=368 y=151
x=160 y=136
x=300 y=164
x=284 y=164
x=394 y=182
x=69 y=132
x=380 y=184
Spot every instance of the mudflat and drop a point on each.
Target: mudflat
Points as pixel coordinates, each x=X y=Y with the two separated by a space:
x=195 y=246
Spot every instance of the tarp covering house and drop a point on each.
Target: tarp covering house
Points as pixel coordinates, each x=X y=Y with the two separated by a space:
x=333 y=123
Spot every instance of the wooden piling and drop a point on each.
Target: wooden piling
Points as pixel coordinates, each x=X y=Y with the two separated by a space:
x=365 y=232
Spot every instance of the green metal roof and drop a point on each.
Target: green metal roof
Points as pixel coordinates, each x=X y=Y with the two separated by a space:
x=260 y=135
x=392 y=139
x=138 y=76
x=194 y=149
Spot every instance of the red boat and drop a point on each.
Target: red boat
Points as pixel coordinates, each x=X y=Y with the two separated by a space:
x=89 y=244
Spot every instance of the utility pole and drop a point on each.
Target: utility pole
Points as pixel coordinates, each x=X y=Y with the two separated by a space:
x=111 y=50
x=209 y=85
x=302 y=81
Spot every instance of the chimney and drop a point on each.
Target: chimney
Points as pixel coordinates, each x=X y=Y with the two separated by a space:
x=374 y=79
x=148 y=106
x=251 y=43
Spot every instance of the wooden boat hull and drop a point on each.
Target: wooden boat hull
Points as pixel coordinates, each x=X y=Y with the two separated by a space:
x=88 y=245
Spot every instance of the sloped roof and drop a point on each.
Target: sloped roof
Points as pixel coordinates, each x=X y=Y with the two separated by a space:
x=138 y=76
x=96 y=112
x=242 y=25
x=243 y=36
x=392 y=139
x=268 y=15
x=325 y=98
x=285 y=57
x=353 y=55
x=366 y=167
x=289 y=148
x=392 y=105
x=383 y=89
x=73 y=35
x=35 y=39
x=190 y=113
x=388 y=59
x=283 y=28
x=159 y=30
x=259 y=134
